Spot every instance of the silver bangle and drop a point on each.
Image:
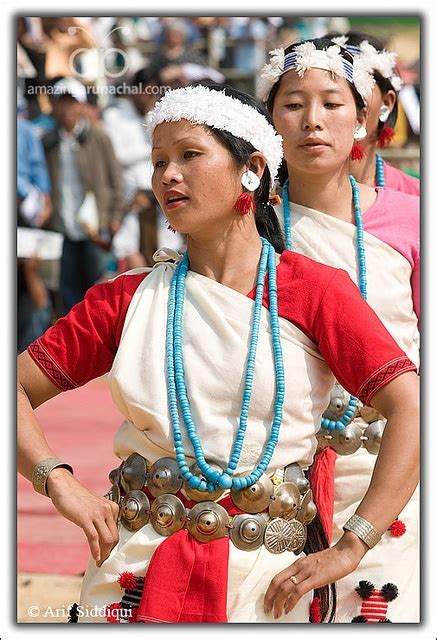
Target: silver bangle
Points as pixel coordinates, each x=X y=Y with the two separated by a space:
x=42 y=471
x=363 y=529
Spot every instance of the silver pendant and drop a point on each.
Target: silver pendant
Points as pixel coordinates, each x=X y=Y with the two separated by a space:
x=324 y=439
x=373 y=435
x=114 y=494
x=134 y=510
x=293 y=473
x=250 y=180
x=167 y=514
x=307 y=509
x=346 y=441
x=338 y=404
x=247 y=531
x=286 y=500
x=164 y=477
x=256 y=498
x=284 y=535
x=207 y=521
x=134 y=472
x=200 y=496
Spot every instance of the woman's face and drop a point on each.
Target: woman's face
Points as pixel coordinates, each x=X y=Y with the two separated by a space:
x=316 y=116
x=195 y=179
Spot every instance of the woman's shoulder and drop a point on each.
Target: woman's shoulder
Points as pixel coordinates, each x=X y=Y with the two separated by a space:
x=298 y=268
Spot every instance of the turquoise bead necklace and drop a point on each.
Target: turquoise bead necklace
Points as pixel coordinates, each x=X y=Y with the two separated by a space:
x=380 y=177
x=177 y=391
x=340 y=424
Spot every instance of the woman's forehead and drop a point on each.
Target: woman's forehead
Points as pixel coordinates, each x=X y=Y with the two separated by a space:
x=175 y=131
x=314 y=80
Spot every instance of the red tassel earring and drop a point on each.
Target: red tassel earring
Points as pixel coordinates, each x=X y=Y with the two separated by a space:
x=245 y=203
x=358 y=152
x=386 y=136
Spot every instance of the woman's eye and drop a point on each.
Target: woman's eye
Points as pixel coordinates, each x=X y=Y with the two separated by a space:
x=191 y=154
x=332 y=105
x=159 y=163
x=293 y=106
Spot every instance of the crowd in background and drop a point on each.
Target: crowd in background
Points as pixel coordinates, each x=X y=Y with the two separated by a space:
x=84 y=89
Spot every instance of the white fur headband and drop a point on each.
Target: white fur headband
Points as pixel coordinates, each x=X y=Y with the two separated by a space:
x=202 y=105
x=306 y=56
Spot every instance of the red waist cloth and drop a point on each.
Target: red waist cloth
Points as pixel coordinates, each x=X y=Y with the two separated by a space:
x=187 y=580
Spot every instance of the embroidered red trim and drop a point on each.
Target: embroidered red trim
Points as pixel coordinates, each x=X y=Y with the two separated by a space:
x=50 y=368
x=382 y=376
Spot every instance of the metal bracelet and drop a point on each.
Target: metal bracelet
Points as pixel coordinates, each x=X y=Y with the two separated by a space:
x=42 y=471
x=363 y=529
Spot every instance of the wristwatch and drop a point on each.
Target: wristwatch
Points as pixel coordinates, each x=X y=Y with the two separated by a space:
x=42 y=471
x=363 y=529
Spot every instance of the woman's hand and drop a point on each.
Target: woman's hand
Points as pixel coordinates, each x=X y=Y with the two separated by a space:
x=96 y=515
x=315 y=570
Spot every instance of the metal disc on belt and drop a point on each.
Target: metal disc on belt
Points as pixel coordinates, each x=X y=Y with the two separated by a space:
x=286 y=500
x=248 y=531
x=348 y=440
x=302 y=545
x=207 y=521
x=164 y=477
x=293 y=473
x=338 y=404
x=134 y=472
x=324 y=439
x=369 y=414
x=114 y=493
x=199 y=496
x=114 y=475
x=134 y=510
x=278 y=535
x=308 y=509
x=255 y=498
x=373 y=436
x=167 y=514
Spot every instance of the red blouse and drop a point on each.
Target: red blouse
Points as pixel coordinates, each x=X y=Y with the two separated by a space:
x=321 y=301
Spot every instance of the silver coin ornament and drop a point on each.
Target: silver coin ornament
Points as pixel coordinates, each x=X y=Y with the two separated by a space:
x=134 y=472
x=207 y=521
x=250 y=180
x=307 y=508
x=164 y=477
x=293 y=473
x=348 y=440
x=338 y=404
x=255 y=498
x=373 y=436
x=167 y=514
x=247 y=531
x=284 y=535
x=199 y=496
x=134 y=510
x=286 y=501
x=114 y=475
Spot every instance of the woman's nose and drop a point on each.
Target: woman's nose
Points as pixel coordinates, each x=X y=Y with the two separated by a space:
x=171 y=173
x=312 y=119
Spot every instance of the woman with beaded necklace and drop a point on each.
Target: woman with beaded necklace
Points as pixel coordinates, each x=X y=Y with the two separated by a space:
x=382 y=113
x=220 y=362
x=316 y=93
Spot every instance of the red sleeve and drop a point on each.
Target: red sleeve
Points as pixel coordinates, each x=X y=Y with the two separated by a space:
x=327 y=306
x=82 y=345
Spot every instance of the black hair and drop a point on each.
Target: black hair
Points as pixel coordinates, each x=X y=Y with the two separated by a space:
x=145 y=77
x=266 y=219
x=320 y=44
x=355 y=38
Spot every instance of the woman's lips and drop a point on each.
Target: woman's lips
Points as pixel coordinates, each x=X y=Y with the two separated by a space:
x=174 y=204
x=313 y=147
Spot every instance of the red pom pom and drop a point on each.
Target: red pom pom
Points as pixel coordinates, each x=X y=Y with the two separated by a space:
x=386 y=136
x=315 y=614
x=112 y=612
x=245 y=203
x=397 y=528
x=134 y=615
x=127 y=580
x=357 y=152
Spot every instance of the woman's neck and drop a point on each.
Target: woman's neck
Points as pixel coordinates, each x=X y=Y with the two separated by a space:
x=364 y=171
x=230 y=257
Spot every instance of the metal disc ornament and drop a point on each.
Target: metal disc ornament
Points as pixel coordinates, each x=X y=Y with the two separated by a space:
x=373 y=436
x=293 y=473
x=307 y=509
x=278 y=535
x=167 y=514
x=134 y=510
x=164 y=477
x=199 y=496
x=247 y=531
x=114 y=494
x=285 y=501
x=348 y=440
x=338 y=404
x=324 y=439
x=207 y=521
x=255 y=498
x=134 y=472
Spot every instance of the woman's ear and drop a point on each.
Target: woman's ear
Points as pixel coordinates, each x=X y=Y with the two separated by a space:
x=257 y=163
x=362 y=116
x=389 y=100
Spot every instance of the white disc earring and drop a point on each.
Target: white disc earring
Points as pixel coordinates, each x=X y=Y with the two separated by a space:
x=360 y=132
x=384 y=113
x=250 y=180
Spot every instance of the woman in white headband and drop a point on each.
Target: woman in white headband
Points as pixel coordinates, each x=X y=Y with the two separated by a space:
x=220 y=362
x=374 y=235
x=382 y=113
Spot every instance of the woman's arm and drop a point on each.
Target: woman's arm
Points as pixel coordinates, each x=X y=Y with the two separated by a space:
x=394 y=480
x=95 y=515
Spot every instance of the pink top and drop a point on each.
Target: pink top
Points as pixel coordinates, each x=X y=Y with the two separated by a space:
x=400 y=181
x=394 y=218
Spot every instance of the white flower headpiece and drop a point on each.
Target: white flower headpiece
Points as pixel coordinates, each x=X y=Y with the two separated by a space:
x=213 y=108
x=382 y=61
x=306 y=56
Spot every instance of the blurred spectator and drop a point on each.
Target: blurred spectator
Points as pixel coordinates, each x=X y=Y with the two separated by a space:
x=64 y=36
x=174 y=47
x=250 y=50
x=126 y=244
x=87 y=190
x=34 y=308
x=124 y=123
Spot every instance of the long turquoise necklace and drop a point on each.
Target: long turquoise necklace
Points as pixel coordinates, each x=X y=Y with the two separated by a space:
x=340 y=424
x=177 y=391
x=380 y=177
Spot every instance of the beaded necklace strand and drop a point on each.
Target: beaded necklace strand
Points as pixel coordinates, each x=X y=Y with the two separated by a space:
x=177 y=391
x=380 y=177
x=340 y=424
